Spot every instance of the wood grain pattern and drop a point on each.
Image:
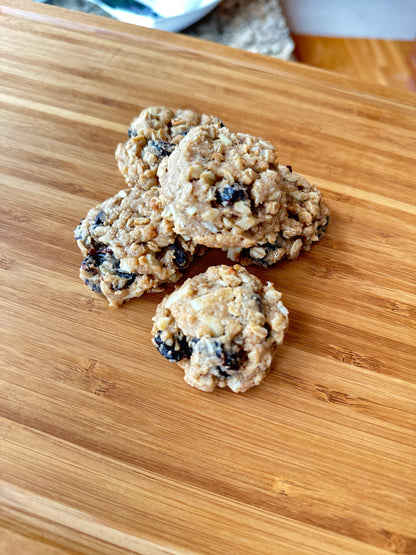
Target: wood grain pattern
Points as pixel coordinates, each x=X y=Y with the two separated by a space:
x=104 y=448
x=383 y=62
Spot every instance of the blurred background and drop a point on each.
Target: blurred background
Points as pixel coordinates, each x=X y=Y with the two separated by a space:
x=369 y=40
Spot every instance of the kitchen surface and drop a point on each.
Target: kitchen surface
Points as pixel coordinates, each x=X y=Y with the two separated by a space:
x=104 y=447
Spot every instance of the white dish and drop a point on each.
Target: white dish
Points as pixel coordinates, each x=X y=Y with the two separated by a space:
x=130 y=11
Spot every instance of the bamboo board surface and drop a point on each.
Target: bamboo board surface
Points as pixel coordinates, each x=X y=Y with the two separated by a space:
x=104 y=448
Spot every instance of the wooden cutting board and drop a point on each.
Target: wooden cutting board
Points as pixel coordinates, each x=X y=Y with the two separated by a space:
x=104 y=448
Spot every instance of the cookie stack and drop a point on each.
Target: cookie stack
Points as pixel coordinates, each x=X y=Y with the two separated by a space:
x=193 y=183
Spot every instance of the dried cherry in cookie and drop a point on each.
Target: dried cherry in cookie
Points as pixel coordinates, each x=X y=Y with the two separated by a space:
x=222 y=327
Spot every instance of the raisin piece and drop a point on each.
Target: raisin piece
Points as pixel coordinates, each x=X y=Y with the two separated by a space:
x=229 y=359
x=99 y=220
x=289 y=168
x=268 y=329
x=92 y=262
x=161 y=148
x=128 y=280
x=230 y=194
x=93 y=286
x=222 y=372
x=177 y=351
x=96 y=257
x=180 y=255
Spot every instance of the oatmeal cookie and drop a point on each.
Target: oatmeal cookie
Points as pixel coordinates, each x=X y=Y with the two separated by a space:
x=223 y=189
x=304 y=223
x=129 y=248
x=222 y=327
x=152 y=136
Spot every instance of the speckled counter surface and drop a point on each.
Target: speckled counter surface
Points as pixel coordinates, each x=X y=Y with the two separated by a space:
x=255 y=25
